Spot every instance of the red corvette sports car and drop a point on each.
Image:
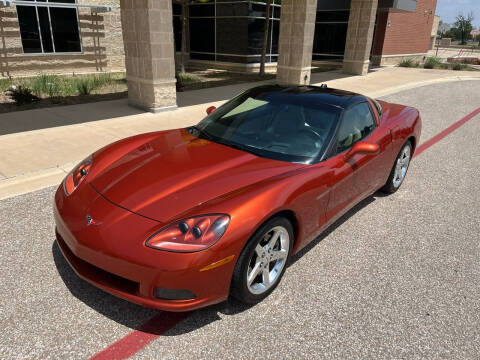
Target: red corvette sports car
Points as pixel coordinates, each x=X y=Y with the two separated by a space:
x=181 y=219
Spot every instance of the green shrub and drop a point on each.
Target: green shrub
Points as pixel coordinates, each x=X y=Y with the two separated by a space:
x=102 y=80
x=84 y=85
x=21 y=94
x=50 y=85
x=186 y=79
x=458 y=66
x=432 y=62
x=408 y=63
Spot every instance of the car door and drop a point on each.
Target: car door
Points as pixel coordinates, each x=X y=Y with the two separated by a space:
x=360 y=124
x=360 y=175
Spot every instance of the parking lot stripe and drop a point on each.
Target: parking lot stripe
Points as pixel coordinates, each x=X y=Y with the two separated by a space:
x=161 y=323
x=141 y=337
x=445 y=132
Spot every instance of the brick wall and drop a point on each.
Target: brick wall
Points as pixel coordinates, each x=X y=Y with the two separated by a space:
x=102 y=44
x=405 y=32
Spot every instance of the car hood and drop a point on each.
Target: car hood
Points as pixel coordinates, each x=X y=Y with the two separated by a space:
x=176 y=171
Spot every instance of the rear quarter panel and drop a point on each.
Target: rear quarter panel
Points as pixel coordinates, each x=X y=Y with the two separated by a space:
x=403 y=123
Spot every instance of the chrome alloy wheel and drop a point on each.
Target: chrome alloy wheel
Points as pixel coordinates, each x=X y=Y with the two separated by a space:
x=401 y=167
x=268 y=260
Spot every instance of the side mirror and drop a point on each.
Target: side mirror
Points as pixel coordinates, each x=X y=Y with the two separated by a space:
x=362 y=148
x=211 y=109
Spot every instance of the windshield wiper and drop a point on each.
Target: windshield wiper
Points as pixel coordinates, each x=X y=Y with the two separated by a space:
x=212 y=138
x=237 y=146
x=203 y=133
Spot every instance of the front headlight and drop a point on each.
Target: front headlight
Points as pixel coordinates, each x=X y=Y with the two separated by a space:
x=77 y=175
x=190 y=235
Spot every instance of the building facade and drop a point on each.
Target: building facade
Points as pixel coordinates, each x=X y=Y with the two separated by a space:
x=404 y=34
x=220 y=33
x=36 y=39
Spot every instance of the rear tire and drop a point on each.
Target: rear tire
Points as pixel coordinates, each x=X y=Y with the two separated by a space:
x=263 y=260
x=399 y=169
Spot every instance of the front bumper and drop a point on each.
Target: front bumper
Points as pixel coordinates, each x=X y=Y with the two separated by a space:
x=112 y=255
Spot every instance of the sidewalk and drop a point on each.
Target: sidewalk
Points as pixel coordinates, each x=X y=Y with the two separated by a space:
x=59 y=137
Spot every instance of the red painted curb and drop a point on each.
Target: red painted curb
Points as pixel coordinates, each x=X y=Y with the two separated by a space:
x=141 y=337
x=445 y=133
x=161 y=323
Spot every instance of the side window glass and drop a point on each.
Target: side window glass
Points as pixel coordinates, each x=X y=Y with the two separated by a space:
x=357 y=124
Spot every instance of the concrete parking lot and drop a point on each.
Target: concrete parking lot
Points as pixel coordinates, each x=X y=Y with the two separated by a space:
x=397 y=277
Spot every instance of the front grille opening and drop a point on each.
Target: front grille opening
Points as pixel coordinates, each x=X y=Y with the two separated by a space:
x=97 y=274
x=173 y=294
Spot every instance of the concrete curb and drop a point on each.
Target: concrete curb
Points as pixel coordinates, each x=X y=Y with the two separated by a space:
x=397 y=89
x=25 y=183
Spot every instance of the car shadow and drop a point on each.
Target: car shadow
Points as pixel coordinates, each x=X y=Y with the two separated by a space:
x=150 y=321
x=365 y=202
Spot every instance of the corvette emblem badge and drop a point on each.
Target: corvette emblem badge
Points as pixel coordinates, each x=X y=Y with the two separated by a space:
x=90 y=221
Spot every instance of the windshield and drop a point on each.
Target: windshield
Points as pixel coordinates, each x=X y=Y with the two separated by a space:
x=273 y=122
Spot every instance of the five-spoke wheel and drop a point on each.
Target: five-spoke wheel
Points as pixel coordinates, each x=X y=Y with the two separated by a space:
x=263 y=261
x=399 y=170
x=268 y=260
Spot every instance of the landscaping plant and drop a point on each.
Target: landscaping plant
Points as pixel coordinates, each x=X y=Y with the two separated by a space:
x=407 y=63
x=21 y=94
x=84 y=85
x=44 y=84
x=432 y=62
x=458 y=66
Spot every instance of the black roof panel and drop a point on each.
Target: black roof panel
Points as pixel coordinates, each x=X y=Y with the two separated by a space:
x=324 y=95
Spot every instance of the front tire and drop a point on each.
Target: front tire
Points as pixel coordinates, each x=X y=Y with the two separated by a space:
x=263 y=260
x=399 y=170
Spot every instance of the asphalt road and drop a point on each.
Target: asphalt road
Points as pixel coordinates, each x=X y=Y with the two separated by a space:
x=397 y=277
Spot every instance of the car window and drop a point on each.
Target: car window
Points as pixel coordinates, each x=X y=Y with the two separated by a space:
x=357 y=124
x=273 y=124
x=378 y=106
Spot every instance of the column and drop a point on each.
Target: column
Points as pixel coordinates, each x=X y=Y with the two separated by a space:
x=361 y=26
x=297 y=28
x=149 y=53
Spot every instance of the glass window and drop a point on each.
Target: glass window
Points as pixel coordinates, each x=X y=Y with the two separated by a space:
x=232 y=9
x=330 y=39
x=273 y=122
x=232 y=36
x=332 y=16
x=275 y=28
x=256 y=29
x=49 y=29
x=177 y=9
x=357 y=124
x=202 y=10
x=202 y=36
x=29 y=32
x=276 y=12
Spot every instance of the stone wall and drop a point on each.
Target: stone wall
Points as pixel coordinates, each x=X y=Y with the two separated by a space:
x=149 y=53
x=361 y=25
x=101 y=37
x=295 y=44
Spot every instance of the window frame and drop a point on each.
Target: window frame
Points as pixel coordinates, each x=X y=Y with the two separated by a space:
x=54 y=52
x=378 y=109
x=334 y=145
